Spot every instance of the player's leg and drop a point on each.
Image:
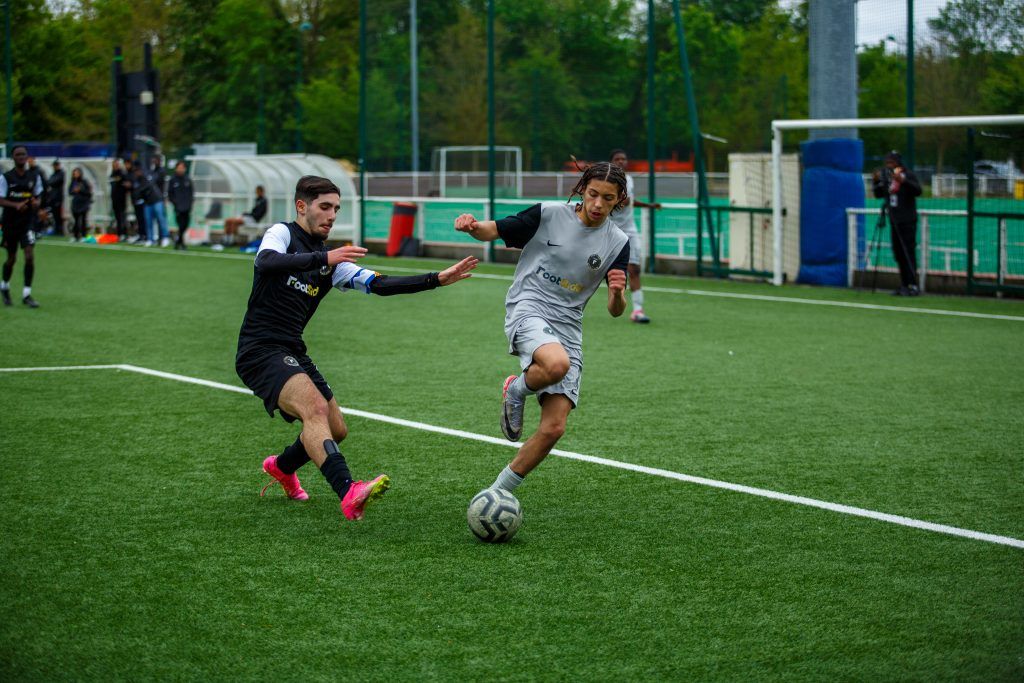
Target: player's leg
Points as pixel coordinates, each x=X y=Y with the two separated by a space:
x=554 y=414
x=361 y=493
x=636 y=293
x=548 y=364
x=899 y=252
x=29 y=271
x=11 y=245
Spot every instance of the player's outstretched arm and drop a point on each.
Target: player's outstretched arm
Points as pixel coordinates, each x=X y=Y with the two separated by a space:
x=616 y=291
x=460 y=271
x=485 y=231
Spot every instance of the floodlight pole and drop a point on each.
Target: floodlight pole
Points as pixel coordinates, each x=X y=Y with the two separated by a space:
x=490 y=121
x=7 y=73
x=651 y=134
x=414 y=90
x=362 y=121
x=909 y=155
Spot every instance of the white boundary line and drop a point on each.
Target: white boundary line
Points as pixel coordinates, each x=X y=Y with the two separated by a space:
x=508 y=278
x=654 y=471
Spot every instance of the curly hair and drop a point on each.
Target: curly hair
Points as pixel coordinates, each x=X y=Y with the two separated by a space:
x=601 y=170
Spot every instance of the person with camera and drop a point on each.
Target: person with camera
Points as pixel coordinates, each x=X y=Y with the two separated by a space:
x=900 y=187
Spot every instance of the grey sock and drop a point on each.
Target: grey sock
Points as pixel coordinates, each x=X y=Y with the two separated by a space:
x=507 y=480
x=518 y=389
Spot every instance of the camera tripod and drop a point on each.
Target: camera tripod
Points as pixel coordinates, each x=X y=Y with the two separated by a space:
x=875 y=243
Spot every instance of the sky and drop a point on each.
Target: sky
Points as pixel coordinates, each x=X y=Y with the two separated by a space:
x=877 y=19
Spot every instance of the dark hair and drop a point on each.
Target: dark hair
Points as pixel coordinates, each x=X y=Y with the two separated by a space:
x=617 y=151
x=17 y=147
x=607 y=172
x=310 y=187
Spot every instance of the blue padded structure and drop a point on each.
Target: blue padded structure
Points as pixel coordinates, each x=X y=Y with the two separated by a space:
x=831 y=184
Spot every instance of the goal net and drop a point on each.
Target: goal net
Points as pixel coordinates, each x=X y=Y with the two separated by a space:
x=463 y=171
x=828 y=227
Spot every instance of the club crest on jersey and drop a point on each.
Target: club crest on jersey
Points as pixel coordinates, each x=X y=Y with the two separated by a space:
x=288 y=360
x=302 y=286
x=325 y=270
x=594 y=261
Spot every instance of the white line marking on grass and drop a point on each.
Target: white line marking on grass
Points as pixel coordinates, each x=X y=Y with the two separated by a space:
x=664 y=290
x=654 y=471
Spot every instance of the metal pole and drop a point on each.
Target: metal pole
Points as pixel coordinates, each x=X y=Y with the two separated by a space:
x=115 y=77
x=362 y=121
x=970 y=211
x=698 y=150
x=651 y=134
x=7 y=72
x=490 y=121
x=910 y=83
x=298 y=87
x=777 y=205
x=414 y=96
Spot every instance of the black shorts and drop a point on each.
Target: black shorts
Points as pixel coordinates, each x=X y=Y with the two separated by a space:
x=13 y=237
x=265 y=369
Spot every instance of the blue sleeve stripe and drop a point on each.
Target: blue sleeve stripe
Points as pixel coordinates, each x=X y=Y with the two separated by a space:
x=352 y=280
x=367 y=283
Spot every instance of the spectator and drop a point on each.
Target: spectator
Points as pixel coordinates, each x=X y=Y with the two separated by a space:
x=39 y=212
x=81 y=198
x=55 y=198
x=156 y=213
x=180 y=195
x=251 y=219
x=138 y=186
x=120 y=184
x=900 y=186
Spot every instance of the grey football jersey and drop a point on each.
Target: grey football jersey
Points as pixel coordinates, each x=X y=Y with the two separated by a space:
x=561 y=267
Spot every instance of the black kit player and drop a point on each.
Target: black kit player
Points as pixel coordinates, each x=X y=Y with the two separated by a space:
x=294 y=271
x=20 y=192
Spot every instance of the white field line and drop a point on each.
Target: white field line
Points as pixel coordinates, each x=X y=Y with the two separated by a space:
x=653 y=471
x=665 y=290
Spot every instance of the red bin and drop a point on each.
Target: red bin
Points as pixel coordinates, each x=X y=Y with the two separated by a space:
x=403 y=222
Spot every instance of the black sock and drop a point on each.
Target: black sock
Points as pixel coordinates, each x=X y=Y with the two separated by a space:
x=8 y=271
x=335 y=469
x=30 y=269
x=292 y=458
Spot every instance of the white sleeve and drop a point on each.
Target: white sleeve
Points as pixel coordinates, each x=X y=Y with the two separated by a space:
x=630 y=191
x=3 y=186
x=38 y=189
x=277 y=238
x=351 y=276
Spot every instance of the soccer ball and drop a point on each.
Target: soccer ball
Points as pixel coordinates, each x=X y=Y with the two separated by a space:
x=494 y=515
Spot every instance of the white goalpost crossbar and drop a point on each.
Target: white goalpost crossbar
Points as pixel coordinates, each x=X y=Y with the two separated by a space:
x=782 y=125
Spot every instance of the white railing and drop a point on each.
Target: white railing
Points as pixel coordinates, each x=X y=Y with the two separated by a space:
x=854 y=261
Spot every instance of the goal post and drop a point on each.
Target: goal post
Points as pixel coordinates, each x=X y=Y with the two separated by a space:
x=462 y=171
x=1009 y=210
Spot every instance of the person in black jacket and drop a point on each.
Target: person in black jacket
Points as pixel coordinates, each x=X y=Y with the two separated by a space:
x=251 y=219
x=180 y=194
x=900 y=187
x=139 y=188
x=55 y=198
x=81 y=198
x=118 y=193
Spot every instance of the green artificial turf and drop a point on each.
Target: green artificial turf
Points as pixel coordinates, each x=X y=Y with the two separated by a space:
x=135 y=544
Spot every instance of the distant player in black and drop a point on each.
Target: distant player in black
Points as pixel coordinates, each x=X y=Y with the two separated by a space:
x=180 y=194
x=294 y=271
x=20 y=192
x=118 y=193
x=55 y=197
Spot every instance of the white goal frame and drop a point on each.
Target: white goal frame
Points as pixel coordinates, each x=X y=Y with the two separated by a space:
x=781 y=125
x=442 y=170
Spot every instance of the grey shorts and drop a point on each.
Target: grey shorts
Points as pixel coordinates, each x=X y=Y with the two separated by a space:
x=531 y=334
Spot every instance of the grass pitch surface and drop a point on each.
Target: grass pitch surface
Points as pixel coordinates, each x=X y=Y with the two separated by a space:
x=135 y=545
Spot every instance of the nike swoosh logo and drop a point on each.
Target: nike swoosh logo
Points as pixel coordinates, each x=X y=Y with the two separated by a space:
x=550 y=244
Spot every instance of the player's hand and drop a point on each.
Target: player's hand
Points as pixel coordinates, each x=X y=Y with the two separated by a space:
x=657 y=206
x=345 y=255
x=23 y=206
x=616 y=281
x=467 y=222
x=460 y=271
